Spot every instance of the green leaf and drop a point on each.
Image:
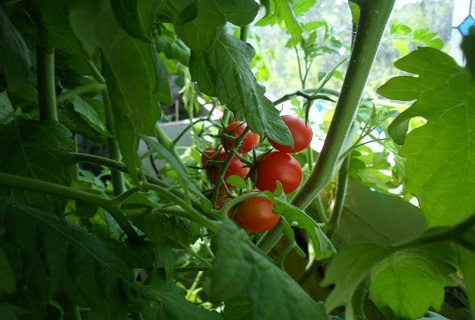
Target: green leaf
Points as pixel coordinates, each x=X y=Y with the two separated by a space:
x=399 y=28
x=175 y=306
x=200 y=30
x=128 y=14
x=238 y=308
x=445 y=96
x=370 y=216
x=239 y=269
x=131 y=77
x=322 y=245
x=285 y=14
x=49 y=257
x=10 y=312
x=223 y=71
x=467 y=261
x=7 y=276
x=468 y=48
x=6 y=109
x=168 y=231
x=52 y=19
x=239 y=13
x=349 y=268
x=129 y=70
x=89 y=114
x=409 y=282
x=40 y=150
x=15 y=60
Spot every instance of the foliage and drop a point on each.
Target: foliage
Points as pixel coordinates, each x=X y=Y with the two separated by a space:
x=87 y=234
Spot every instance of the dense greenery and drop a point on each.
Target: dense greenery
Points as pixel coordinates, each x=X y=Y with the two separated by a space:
x=92 y=234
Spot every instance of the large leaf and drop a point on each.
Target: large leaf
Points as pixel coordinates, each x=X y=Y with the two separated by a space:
x=37 y=149
x=349 y=268
x=440 y=166
x=51 y=18
x=370 y=216
x=410 y=282
x=49 y=257
x=223 y=71
x=15 y=60
x=239 y=269
x=197 y=23
x=130 y=72
x=129 y=15
x=240 y=13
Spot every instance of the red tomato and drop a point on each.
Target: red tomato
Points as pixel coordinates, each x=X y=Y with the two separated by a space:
x=235 y=129
x=278 y=166
x=301 y=133
x=213 y=170
x=255 y=214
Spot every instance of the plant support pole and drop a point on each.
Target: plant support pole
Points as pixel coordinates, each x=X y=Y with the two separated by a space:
x=374 y=15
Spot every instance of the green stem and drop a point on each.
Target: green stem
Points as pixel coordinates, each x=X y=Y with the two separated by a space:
x=194 y=285
x=373 y=18
x=118 y=182
x=46 y=84
x=334 y=220
x=90 y=87
x=244 y=33
x=92 y=199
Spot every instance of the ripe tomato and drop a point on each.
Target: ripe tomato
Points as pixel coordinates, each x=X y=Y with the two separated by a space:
x=213 y=170
x=279 y=166
x=235 y=129
x=301 y=133
x=255 y=214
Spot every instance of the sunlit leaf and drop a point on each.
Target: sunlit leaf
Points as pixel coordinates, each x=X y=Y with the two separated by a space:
x=440 y=166
x=224 y=72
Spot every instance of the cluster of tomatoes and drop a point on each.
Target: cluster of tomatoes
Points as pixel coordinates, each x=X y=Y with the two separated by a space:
x=256 y=213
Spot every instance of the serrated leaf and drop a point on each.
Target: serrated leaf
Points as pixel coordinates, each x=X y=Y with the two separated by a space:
x=200 y=30
x=445 y=96
x=349 y=268
x=322 y=245
x=175 y=306
x=239 y=13
x=40 y=150
x=238 y=269
x=223 y=71
x=409 y=282
x=15 y=62
x=79 y=264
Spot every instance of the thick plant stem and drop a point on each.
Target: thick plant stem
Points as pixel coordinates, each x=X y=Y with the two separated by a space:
x=46 y=84
x=374 y=15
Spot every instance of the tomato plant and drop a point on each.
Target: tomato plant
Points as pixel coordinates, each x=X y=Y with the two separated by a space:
x=278 y=166
x=105 y=210
x=255 y=214
x=301 y=131
x=213 y=162
x=234 y=130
